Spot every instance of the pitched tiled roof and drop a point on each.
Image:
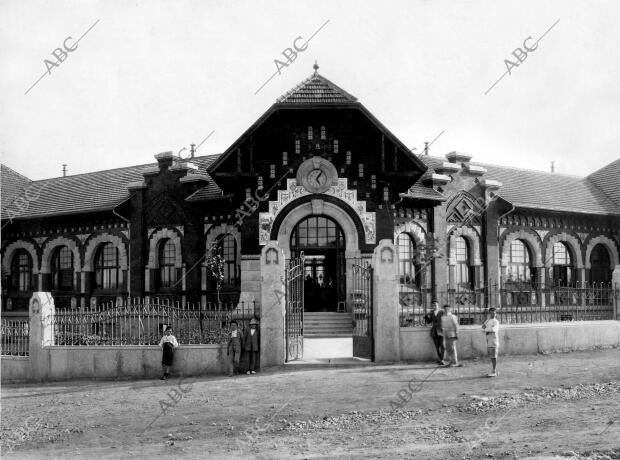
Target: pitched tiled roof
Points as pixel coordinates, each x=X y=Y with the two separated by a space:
x=96 y=191
x=423 y=192
x=316 y=90
x=11 y=184
x=208 y=192
x=544 y=190
x=608 y=180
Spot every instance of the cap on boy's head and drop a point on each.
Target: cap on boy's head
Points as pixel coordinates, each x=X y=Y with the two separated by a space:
x=434 y=302
x=234 y=322
x=168 y=329
x=492 y=309
x=446 y=306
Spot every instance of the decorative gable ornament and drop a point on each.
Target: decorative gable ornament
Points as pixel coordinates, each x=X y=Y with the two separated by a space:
x=464 y=209
x=338 y=190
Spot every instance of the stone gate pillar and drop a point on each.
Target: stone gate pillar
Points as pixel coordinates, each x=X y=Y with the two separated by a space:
x=386 y=329
x=272 y=296
x=41 y=311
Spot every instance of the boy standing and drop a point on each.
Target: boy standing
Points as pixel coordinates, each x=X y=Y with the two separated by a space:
x=491 y=327
x=450 y=330
x=235 y=347
x=252 y=345
x=434 y=319
x=168 y=344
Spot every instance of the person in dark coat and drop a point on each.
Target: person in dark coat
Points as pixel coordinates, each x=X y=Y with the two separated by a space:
x=251 y=342
x=434 y=319
x=168 y=344
x=235 y=348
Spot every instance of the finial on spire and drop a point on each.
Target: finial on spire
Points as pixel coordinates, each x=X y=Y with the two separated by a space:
x=315 y=67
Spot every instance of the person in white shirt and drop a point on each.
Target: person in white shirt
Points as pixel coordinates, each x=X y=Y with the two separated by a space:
x=168 y=344
x=491 y=327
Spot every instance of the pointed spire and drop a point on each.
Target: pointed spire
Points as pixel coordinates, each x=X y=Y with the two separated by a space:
x=316 y=68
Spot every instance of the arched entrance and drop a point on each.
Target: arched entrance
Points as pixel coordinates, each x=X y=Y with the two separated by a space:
x=322 y=242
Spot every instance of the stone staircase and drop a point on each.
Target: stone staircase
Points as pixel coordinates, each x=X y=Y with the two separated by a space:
x=327 y=324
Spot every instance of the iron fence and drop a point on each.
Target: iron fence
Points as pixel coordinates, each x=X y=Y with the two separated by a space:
x=515 y=303
x=142 y=322
x=14 y=337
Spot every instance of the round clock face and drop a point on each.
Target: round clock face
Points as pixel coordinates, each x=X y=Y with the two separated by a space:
x=317 y=178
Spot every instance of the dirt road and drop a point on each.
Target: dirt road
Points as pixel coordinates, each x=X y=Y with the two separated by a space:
x=562 y=405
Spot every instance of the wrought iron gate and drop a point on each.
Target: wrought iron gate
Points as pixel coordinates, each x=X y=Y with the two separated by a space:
x=361 y=300
x=294 y=319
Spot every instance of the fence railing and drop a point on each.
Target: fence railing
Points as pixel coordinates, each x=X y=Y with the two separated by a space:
x=14 y=337
x=143 y=322
x=515 y=304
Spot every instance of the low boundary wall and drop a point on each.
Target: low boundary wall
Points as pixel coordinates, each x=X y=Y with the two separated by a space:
x=112 y=362
x=518 y=339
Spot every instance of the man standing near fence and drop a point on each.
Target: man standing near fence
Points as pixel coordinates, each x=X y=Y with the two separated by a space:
x=252 y=345
x=434 y=319
x=450 y=330
x=235 y=347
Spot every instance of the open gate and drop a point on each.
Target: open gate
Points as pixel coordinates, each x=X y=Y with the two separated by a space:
x=361 y=300
x=294 y=318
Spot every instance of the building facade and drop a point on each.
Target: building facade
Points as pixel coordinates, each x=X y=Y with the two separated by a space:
x=320 y=175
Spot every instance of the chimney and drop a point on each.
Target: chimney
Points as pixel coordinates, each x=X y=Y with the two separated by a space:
x=192 y=150
x=64 y=170
x=426 y=148
x=553 y=166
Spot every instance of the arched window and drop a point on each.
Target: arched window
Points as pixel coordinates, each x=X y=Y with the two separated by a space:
x=167 y=257
x=408 y=269
x=464 y=275
x=62 y=269
x=600 y=263
x=21 y=271
x=519 y=263
x=107 y=267
x=563 y=271
x=227 y=246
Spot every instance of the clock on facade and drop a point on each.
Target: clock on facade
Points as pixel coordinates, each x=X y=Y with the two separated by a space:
x=317 y=175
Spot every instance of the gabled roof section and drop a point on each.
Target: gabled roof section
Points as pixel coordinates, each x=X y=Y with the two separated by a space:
x=12 y=184
x=316 y=89
x=608 y=180
x=89 y=192
x=532 y=189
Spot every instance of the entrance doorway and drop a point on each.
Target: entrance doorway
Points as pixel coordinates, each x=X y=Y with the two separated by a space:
x=322 y=242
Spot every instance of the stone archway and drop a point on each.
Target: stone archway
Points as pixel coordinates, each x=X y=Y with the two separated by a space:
x=531 y=241
x=568 y=239
x=21 y=244
x=156 y=237
x=319 y=207
x=49 y=248
x=608 y=244
x=93 y=244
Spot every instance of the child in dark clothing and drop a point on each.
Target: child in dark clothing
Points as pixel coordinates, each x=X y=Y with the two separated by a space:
x=168 y=344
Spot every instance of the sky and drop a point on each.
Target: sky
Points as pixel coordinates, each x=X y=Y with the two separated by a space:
x=154 y=76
